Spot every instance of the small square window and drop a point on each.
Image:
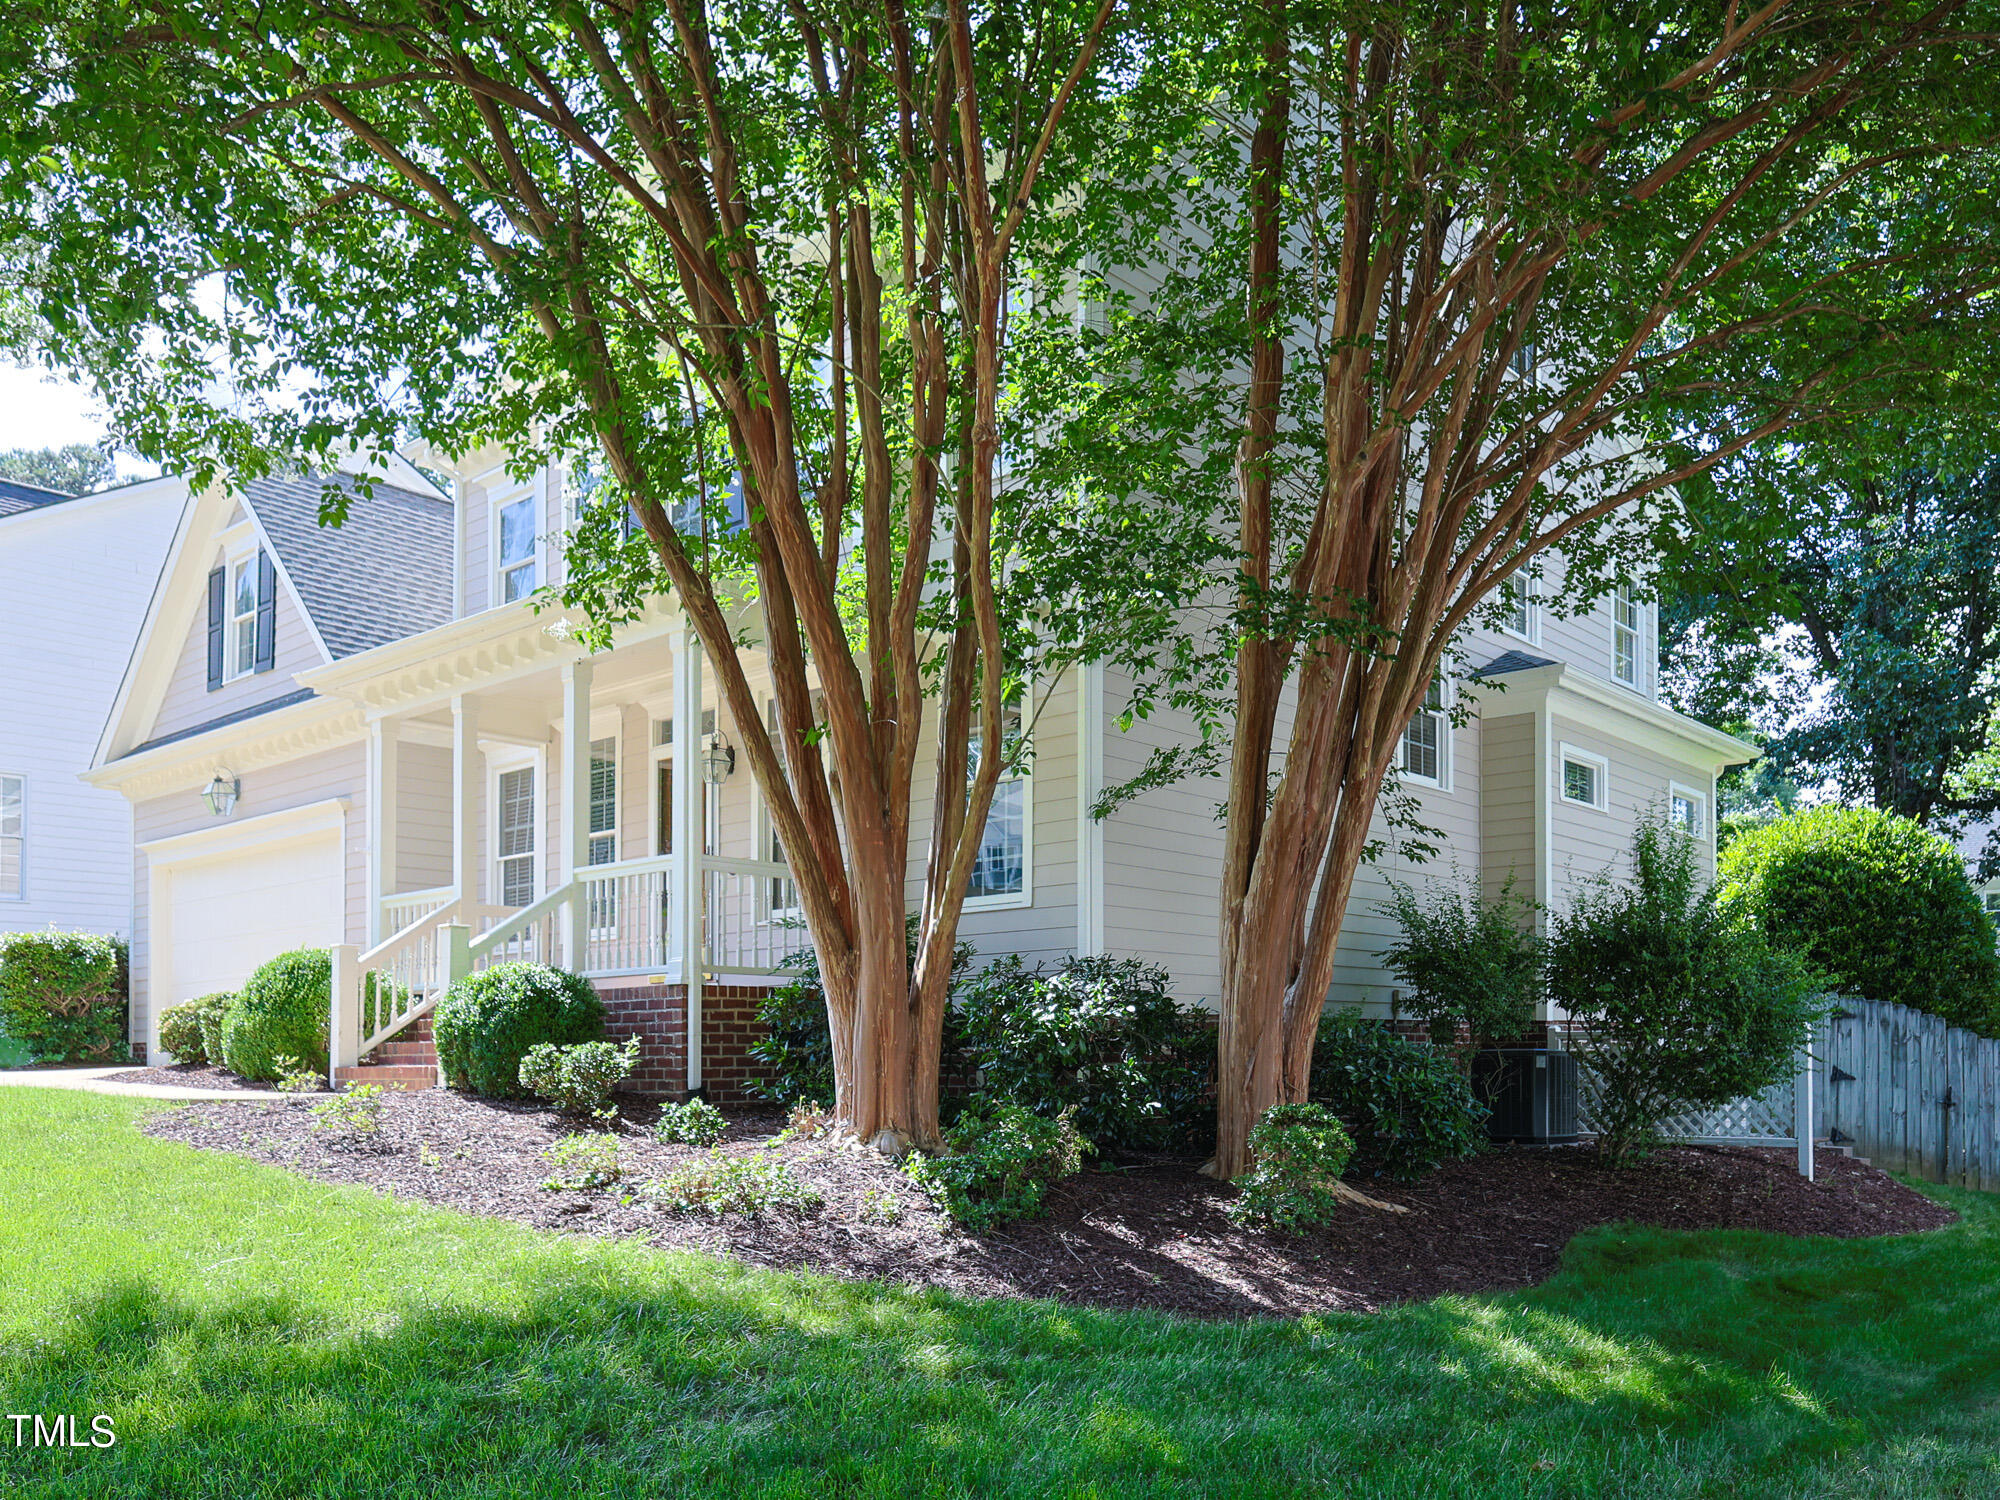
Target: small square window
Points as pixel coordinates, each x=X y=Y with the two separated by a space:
x=1585 y=778
x=1688 y=811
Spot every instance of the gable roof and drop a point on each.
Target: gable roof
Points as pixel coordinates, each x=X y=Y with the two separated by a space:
x=1512 y=661
x=16 y=497
x=384 y=574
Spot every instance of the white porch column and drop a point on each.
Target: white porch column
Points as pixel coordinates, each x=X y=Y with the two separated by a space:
x=575 y=809
x=687 y=871
x=383 y=771
x=466 y=771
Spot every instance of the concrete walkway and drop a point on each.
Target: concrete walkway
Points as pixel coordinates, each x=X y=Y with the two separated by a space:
x=92 y=1081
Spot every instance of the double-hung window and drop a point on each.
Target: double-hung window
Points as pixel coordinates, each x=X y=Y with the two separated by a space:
x=517 y=549
x=514 y=830
x=1688 y=811
x=243 y=616
x=13 y=838
x=1517 y=597
x=1427 y=738
x=603 y=894
x=1626 y=656
x=1000 y=869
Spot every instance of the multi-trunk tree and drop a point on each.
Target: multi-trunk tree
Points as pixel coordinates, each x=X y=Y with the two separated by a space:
x=714 y=245
x=1491 y=281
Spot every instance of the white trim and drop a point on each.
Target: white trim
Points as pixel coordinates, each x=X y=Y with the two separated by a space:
x=309 y=819
x=1089 y=830
x=1567 y=753
x=505 y=500
x=22 y=777
x=1615 y=710
x=1025 y=897
x=499 y=761
x=1533 y=634
x=1442 y=781
x=1702 y=802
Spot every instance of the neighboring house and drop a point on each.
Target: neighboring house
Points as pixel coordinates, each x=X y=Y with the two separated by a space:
x=425 y=769
x=75 y=575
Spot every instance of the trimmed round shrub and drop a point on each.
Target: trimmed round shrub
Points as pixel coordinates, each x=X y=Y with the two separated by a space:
x=489 y=1021
x=180 y=1033
x=212 y=1011
x=280 y=1012
x=1408 y=1107
x=1299 y=1151
x=1879 y=905
x=1100 y=1039
x=62 y=995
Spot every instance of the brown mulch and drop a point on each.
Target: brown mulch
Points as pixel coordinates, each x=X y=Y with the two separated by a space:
x=1151 y=1234
x=187 y=1076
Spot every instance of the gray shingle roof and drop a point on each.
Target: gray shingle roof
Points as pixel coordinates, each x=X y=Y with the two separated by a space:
x=383 y=575
x=16 y=497
x=1513 y=661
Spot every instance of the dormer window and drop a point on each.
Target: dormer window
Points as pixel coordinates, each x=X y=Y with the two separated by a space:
x=517 y=554
x=243 y=616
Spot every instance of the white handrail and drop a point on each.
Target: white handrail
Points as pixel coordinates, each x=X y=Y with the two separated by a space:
x=522 y=920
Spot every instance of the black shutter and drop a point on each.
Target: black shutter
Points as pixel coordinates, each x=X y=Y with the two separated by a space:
x=217 y=586
x=267 y=612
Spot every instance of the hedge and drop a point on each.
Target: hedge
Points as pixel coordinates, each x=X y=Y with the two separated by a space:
x=63 y=995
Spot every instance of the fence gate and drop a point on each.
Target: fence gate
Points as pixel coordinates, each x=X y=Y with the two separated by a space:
x=1911 y=1093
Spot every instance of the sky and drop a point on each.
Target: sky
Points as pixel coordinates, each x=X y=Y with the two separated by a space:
x=41 y=411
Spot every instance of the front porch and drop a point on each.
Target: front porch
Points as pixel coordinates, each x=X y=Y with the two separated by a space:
x=586 y=812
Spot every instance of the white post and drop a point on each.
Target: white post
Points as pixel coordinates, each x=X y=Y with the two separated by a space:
x=382 y=780
x=687 y=870
x=1802 y=1107
x=454 y=946
x=466 y=771
x=575 y=811
x=344 y=1017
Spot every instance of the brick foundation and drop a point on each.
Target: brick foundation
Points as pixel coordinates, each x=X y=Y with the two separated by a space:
x=658 y=1013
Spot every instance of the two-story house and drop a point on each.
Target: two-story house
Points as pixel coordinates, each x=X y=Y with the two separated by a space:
x=367 y=739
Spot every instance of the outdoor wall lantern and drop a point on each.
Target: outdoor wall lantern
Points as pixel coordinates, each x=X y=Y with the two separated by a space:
x=718 y=758
x=220 y=794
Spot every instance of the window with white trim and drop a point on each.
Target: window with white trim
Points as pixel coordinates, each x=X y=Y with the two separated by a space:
x=1427 y=738
x=1585 y=779
x=515 y=549
x=13 y=838
x=1627 y=657
x=1687 y=810
x=1000 y=869
x=243 y=616
x=1517 y=597
x=604 y=800
x=514 y=835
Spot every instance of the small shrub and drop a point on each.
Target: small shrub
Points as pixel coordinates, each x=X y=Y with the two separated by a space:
x=1466 y=959
x=695 y=1123
x=732 y=1185
x=1880 y=905
x=62 y=995
x=281 y=1011
x=807 y=1120
x=579 y=1079
x=796 y=1048
x=1101 y=1039
x=588 y=1160
x=357 y=1112
x=487 y=1022
x=998 y=1162
x=212 y=1011
x=181 y=1029
x=294 y=1077
x=1678 y=1007
x=1299 y=1152
x=1407 y=1107
x=880 y=1206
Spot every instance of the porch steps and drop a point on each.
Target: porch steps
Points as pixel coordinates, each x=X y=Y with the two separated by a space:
x=408 y=1060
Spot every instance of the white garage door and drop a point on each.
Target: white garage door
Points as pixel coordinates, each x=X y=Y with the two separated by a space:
x=230 y=913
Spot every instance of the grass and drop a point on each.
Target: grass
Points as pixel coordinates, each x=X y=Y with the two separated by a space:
x=253 y=1333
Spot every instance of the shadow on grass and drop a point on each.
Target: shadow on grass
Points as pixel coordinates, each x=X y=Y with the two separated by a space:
x=1658 y=1363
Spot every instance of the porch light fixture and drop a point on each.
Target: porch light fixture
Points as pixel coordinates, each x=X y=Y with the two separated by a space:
x=220 y=794
x=718 y=758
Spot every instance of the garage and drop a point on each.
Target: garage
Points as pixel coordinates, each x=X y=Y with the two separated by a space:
x=226 y=899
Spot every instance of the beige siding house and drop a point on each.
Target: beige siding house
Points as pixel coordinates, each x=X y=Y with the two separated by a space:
x=367 y=739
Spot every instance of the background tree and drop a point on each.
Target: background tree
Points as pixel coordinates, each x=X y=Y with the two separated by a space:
x=1842 y=597
x=77 y=469
x=757 y=241
x=1442 y=293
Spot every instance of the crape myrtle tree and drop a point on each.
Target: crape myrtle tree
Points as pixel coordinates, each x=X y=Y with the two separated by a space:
x=1842 y=594
x=1440 y=295
x=691 y=241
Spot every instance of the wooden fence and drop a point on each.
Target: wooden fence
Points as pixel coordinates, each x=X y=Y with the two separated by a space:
x=1910 y=1093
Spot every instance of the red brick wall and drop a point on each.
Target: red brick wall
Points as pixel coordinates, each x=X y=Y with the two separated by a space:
x=658 y=1013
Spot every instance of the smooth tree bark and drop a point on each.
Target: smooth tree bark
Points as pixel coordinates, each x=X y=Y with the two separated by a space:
x=1504 y=278
x=771 y=242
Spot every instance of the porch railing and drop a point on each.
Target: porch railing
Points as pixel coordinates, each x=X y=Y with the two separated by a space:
x=378 y=992
x=628 y=915
x=406 y=908
x=751 y=920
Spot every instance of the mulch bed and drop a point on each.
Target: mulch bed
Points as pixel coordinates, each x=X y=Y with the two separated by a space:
x=188 y=1076
x=1151 y=1234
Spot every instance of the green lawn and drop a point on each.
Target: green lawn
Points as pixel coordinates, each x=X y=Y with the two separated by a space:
x=253 y=1333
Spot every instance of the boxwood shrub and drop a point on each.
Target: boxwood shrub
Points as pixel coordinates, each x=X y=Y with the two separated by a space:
x=1407 y=1107
x=63 y=995
x=192 y=1030
x=489 y=1021
x=280 y=1012
x=1880 y=905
